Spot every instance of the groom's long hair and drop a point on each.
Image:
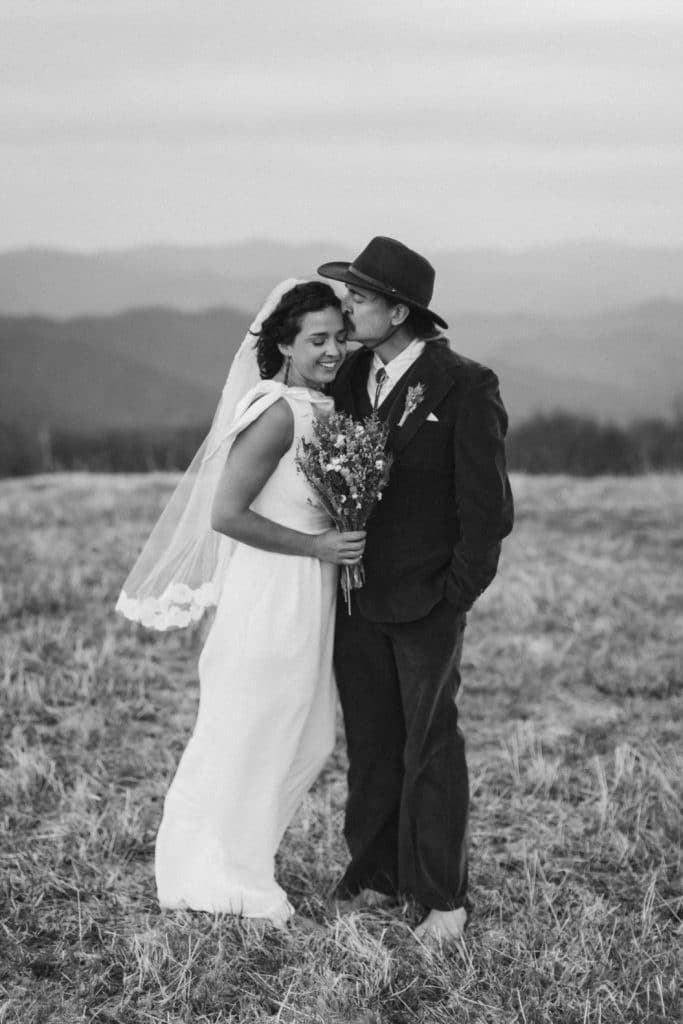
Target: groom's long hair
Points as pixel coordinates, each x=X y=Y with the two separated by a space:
x=422 y=326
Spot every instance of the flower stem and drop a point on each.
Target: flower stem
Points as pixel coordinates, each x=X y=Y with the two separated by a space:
x=346 y=587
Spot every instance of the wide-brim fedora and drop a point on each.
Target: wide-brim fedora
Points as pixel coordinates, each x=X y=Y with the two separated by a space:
x=392 y=269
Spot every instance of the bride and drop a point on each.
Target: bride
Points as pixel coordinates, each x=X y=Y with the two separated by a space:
x=243 y=532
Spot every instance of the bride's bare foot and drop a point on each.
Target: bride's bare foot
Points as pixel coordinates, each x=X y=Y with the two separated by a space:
x=299 y=922
x=264 y=924
x=306 y=924
x=443 y=926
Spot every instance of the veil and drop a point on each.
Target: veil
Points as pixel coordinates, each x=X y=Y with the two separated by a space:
x=178 y=573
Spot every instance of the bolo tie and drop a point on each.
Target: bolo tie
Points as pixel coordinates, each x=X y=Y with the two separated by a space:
x=380 y=377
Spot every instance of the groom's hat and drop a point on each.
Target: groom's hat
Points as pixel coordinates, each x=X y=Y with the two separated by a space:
x=392 y=269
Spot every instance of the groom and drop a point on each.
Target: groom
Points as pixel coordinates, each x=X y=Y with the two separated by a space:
x=433 y=545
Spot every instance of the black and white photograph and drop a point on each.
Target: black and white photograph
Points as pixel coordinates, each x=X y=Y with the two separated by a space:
x=341 y=512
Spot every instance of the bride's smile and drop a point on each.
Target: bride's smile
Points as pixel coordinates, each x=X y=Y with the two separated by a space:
x=317 y=352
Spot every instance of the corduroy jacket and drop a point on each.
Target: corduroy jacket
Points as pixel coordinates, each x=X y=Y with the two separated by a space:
x=437 y=531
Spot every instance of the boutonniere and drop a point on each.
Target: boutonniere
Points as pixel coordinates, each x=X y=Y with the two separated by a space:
x=413 y=399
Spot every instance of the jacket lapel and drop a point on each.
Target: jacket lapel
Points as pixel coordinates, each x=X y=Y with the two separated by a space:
x=436 y=384
x=359 y=385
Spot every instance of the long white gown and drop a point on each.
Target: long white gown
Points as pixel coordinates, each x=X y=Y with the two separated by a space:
x=265 y=724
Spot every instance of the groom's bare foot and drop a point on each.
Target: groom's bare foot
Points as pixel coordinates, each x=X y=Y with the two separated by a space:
x=366 y=899
x=443 y=926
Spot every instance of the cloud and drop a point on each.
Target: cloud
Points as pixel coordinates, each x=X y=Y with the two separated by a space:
x=569 y=111
x=511 y=104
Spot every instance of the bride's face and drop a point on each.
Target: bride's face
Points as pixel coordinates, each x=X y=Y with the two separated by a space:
x=318 y=349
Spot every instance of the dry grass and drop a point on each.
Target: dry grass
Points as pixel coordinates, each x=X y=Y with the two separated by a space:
x=571 y=706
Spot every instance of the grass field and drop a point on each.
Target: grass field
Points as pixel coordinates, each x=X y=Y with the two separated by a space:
x=571 y=705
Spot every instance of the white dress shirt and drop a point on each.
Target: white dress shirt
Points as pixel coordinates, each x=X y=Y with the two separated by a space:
x=395 y=369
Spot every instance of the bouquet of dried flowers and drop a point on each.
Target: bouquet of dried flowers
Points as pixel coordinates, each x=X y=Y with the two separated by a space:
x=347 y=465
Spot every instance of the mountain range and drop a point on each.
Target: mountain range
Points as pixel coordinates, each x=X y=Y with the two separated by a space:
x=573 y=279
x=142 y=368
x=156 y=367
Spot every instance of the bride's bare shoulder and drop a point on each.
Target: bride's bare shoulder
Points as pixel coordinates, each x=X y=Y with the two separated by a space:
x=271 y=431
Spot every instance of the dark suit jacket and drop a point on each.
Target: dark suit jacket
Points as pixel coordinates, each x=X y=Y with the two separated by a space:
x=437 y=531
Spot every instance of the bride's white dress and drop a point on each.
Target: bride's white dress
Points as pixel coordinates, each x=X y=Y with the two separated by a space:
x=265 y=724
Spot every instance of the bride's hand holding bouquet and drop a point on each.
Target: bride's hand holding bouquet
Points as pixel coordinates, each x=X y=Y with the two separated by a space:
x=347 y=465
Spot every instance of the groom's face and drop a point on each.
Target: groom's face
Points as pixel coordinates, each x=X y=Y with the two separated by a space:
x=368 y=316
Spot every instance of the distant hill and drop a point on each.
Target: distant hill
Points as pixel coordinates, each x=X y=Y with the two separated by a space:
x=162 y=367
x=143 y=368
x=577 y=279
x=66 y=284
x=571 y=279
x=622 y=364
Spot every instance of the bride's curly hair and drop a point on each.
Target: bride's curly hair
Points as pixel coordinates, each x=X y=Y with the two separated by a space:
x=284 y=323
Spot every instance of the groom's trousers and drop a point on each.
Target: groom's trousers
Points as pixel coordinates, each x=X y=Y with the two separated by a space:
x=406 y=816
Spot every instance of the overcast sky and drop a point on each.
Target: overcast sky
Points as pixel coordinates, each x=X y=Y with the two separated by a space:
x=446 y=123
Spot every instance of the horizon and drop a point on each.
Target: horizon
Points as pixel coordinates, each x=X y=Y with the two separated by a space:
x=255 y=242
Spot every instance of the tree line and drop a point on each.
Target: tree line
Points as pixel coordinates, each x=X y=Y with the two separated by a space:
x=547 y=443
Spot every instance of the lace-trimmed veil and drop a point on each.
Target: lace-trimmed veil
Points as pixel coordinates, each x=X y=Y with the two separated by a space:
x=178 y=573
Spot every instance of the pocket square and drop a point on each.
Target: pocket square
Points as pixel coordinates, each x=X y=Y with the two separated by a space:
x=432 y=418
